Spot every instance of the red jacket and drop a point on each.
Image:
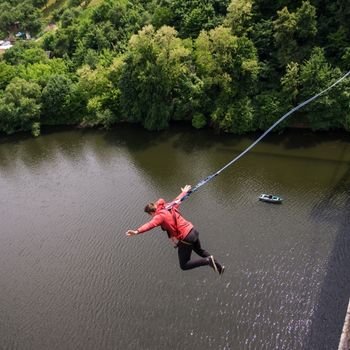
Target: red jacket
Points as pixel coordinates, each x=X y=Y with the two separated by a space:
x=176 y=227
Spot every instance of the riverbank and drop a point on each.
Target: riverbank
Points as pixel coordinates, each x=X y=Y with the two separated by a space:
x=173 y=126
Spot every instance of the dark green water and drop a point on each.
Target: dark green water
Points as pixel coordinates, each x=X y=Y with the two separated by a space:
x=71 y=279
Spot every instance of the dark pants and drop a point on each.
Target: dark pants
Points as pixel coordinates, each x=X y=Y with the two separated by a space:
x=185 y=248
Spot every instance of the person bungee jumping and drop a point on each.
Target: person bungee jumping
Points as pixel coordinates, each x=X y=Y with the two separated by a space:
x=180 y=231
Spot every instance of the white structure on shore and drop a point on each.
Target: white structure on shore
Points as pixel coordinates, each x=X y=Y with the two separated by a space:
x=5 y=44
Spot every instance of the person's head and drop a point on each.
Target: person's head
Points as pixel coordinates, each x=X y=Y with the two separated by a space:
x=150 y=208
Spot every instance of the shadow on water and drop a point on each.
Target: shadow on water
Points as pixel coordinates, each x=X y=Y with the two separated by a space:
x=74 y=144
x=22 y=136
x=182 y=137
x=14 y=139
x=303 y=138
x=330 y=310
x=186 y=138
x=134 y=138
x=37 y=150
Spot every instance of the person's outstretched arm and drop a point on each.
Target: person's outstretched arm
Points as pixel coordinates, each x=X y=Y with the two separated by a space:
x=156 y=221
x=184 y=191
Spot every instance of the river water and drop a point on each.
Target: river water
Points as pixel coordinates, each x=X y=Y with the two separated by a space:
x=71 y=279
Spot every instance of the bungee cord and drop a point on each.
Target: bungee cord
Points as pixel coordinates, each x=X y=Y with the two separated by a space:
x=285 y=116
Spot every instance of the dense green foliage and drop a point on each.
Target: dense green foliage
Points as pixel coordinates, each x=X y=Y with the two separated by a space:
x=20 y=15
x=233 y=65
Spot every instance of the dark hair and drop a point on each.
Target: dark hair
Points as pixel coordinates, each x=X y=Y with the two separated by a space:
x=150 y=208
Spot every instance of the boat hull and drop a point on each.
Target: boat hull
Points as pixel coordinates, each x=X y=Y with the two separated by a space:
x=270 y=199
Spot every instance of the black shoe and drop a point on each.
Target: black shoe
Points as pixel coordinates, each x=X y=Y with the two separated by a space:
x=212 y=263
x=220 y=268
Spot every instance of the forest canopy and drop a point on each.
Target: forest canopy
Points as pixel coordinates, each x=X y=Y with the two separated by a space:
x=233 y=65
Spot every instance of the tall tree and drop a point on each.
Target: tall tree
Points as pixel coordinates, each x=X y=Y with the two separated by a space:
x=239 y=15
x=228 y=66
x=7 y=73
x=56 y=97
x=158 y=80
x=294 y=33
x=189 y=17
x=20 y=106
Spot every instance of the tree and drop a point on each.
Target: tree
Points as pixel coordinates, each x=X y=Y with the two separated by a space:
x=198 y=18
x=162 y=15
x=68 y=17
x=56 y=97
x=189 y=17
x=237 y=118
x=306 y=22
x=7 y=17
x=302 y=81
x=100 y=36
x=39 y=3
x=27 y=16
x=261 y=33
x=97 y=95
x=20 y=106
x=66 y=40
x=294 y=33
x=25 y=52
x=315 y=75
x=40 y=73
x=158 y=82
x=291 y=83
x=7 y=73
x=239 y=14
x=124 y=18
x=75 y=3
x=270 y=106
x=285 y=28
x=229 y=67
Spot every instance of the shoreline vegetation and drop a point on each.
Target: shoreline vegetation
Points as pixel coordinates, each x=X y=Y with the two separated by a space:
x=235 y=66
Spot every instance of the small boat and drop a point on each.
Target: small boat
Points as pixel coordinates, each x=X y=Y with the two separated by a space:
x=270 y=198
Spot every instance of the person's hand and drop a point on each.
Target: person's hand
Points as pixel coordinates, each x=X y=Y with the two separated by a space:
x=132 y=232
x=186 y=188
x=175 y=242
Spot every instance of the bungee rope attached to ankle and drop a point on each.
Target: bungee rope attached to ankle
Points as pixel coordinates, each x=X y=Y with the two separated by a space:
x=210 y=177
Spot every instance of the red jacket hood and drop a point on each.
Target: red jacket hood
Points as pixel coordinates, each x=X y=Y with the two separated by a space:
x=160 y=204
